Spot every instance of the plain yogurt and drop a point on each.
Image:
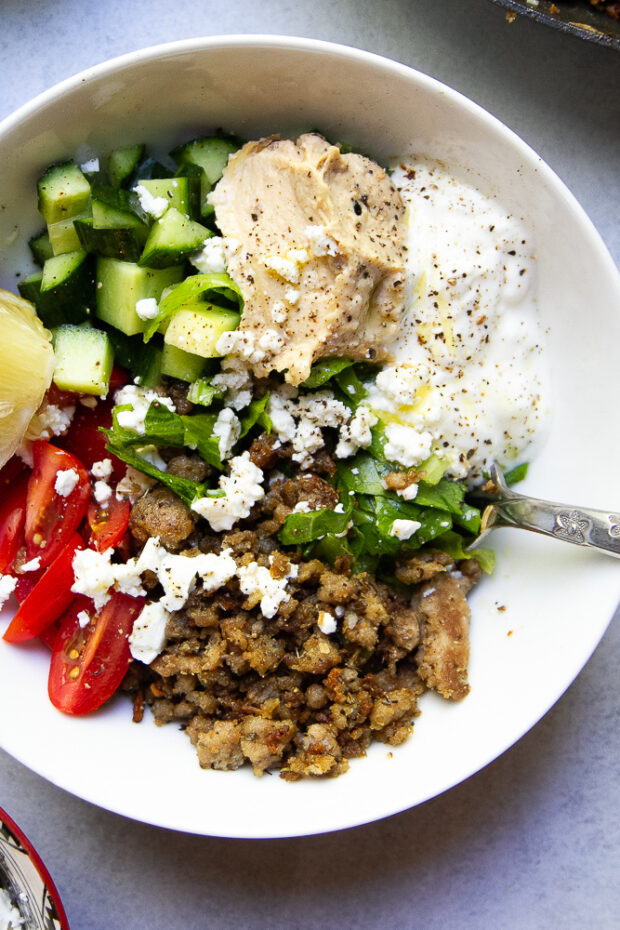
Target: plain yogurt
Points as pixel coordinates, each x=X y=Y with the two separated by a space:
x=468 y=378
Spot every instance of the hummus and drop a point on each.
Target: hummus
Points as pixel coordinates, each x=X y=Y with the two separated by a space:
x=315 y=240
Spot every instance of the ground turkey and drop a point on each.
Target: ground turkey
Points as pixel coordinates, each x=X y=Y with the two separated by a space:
x=282 y=693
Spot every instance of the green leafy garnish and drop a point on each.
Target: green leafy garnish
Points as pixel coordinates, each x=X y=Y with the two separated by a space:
x=518 y=473
x=256 y=413
x=202 y=392
x=209 y=287
x=325 y=369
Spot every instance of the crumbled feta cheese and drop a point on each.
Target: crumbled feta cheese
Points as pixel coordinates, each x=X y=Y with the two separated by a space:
x=140 y=399
x=356 y=433
x=257 y=580
x=406 y=445
x=404 y=529
x=32 y=566
x=152 y=456
x=51 y=420
x=301 y=420
x=102 y=491
x=102 y=469
x=279 y=312
x=154 y=206
x=291 y=295
x=212 y=257
x=281 y=417
x=83 y=618
x=147 y=308
x=66 y=480
x=227 y=429
x=148 y=636
x=7 y=586
x=269 y=342
x=237 y=382
x=320 y=242
x=94 y=575
x=242 y=489
x=302 y=507
x=90 y=166
x=327 y=623
x=133 y=485
x=289 y=265
x=409 y=493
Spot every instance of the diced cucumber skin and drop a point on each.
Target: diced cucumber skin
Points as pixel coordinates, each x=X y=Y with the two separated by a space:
x=176 y=363
x=41 y=247
x=175 y=190
x=211 y=155
x=67 y=294
x=194 y=176
x=124 y=244
x=115 y=208
x=171 y=239
x=123 y=162
x=84 y=358
x=196 y=327
x=63 y=191
x=148 y=369
x=59 y=268
x=120 y=284
x=63 y=235
x=49 y=311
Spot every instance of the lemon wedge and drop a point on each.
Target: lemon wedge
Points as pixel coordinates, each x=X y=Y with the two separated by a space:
x=26 y=369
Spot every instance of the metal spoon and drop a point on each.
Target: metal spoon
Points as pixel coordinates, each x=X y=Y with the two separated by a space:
x=595 y=529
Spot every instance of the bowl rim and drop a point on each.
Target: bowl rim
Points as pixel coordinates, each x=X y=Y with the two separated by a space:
x=530 y=157
x=318 y=46
x=7 y=821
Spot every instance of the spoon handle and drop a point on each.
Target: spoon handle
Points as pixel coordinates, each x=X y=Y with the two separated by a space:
x=582 y=526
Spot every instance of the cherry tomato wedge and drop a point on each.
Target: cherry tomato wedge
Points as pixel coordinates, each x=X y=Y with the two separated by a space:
x=48 y=599
x=85 y=439
x=89 y=663
x=49 y=634
x=108 y=523
x=51 y=518
x=12 y=520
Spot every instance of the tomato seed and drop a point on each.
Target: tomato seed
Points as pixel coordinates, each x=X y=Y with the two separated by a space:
x=74 y=672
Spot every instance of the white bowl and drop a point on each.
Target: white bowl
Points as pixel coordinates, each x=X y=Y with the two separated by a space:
x=558 y=598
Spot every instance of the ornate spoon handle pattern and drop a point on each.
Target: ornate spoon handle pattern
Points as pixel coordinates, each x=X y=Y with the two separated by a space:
x=596 y=529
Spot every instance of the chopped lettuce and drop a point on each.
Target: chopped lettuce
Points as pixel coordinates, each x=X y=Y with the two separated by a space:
x=216 y=287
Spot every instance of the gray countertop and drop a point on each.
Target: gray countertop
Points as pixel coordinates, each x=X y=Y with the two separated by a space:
x=532 y=841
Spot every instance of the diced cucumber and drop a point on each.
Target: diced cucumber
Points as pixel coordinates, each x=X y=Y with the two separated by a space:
x=68 y=304
x=211 y=155
x=63 y=191
x=171 y=239
x=49 y=312
x=125 y=244
x=175 y=190
x=41 y=247
x=114 y=208
x=123 y=162
x=121 y=284
x=63 y=235
x=193 y=175
x=150 y=167
x=148 y=370
x=176 y=363
x=84 y=359
x=197 y=327
x=60 y=269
